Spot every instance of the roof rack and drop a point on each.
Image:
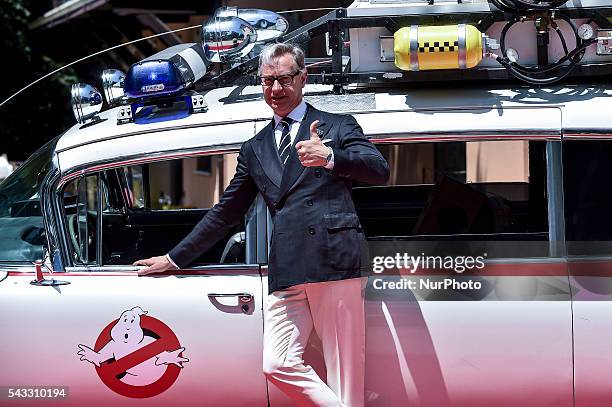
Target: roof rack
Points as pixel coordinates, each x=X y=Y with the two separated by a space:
x=363 y=42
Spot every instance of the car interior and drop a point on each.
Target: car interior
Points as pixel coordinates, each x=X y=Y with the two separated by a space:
x=131 y=232
x=138 y=221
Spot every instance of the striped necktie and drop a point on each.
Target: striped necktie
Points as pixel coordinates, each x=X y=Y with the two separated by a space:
x=284 y=147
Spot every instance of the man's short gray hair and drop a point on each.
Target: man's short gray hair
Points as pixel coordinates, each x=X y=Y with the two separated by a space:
x=274 y=51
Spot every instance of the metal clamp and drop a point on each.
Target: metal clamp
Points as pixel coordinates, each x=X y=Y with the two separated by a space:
x=462 y=33
x=414 y=47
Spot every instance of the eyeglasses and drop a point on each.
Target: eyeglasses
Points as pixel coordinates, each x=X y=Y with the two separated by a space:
x=283 y=80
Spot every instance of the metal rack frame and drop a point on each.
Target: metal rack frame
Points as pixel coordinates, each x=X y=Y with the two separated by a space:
x=337 y=22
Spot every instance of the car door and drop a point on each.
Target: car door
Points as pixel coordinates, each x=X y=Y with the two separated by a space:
x=587 y=165
x=454 y=333
x=191 y=336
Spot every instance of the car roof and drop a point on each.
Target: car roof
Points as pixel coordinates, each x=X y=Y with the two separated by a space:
x=236 y=113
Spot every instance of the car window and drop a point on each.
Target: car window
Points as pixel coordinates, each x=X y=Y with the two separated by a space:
x=492 y=191
x=587 y=167
x=23 y=233
x=80 y=198
x=148 y=208
x=179 y=184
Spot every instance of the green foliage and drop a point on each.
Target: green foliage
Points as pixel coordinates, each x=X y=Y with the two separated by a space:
x=43 y=111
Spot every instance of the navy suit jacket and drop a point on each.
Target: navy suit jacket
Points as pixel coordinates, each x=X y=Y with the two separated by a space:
x=317 y=235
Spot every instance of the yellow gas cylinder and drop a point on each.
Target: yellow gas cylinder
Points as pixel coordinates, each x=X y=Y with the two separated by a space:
x=421 y=48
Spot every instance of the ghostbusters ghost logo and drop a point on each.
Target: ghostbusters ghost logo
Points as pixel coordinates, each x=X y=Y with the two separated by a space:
x=136 y=355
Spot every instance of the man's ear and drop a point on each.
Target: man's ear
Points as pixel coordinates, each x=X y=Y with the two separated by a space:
x=304 y=76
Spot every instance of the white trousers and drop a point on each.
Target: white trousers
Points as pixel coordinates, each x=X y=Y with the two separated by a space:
x=335 y=310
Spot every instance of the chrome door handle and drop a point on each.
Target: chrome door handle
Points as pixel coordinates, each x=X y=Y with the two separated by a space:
x=245 y=302
x=243 y=297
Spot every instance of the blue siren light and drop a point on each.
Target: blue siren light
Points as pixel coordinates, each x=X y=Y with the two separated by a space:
x=168 y=72
x=148 y=78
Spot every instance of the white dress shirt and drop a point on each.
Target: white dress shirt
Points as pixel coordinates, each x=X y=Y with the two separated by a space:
x=297 y=115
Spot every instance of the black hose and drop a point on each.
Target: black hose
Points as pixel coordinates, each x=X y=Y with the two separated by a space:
x=526 y=73
x=546 y=68
x=574 y=56
x=562 y=39
x=536 y=81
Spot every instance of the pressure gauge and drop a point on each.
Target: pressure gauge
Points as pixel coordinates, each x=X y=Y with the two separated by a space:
x=512 y=54
x=585 y=31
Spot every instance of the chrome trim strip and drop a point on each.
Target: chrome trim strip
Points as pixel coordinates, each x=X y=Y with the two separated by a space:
x=165 y=129
x=52 y=222
x=597 y=134
x=454 y=109
x=461 y=34
x=414 y=47
x=148 y=158
x=21 y=268
x=215 y=269
x=588 y=257
x=475 y=135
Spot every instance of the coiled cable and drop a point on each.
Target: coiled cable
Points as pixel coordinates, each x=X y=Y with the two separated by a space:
x=533 y=74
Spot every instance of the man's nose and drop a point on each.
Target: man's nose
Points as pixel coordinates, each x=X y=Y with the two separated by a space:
x=276 y=86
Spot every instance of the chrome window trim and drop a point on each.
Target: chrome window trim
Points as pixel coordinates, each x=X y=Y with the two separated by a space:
x=17 y=268
x=502 y=135
x=96 y=167
x=135 y=159
x=212 y=269
x=163 y=130
x=52 y=222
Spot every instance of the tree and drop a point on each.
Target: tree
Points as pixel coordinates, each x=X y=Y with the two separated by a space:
x=43 y=111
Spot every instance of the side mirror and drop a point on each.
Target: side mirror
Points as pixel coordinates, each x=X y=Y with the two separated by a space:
x=40 y=278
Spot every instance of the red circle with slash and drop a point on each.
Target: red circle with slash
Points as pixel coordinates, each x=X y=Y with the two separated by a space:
x=109 y=371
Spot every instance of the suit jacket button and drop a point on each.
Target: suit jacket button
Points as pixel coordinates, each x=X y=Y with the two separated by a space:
x=309 y=202
x=311 y=230
x=318 y=173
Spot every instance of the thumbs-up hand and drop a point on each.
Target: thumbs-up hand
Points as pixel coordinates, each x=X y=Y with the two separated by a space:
x=313 y=153
x=314 y=136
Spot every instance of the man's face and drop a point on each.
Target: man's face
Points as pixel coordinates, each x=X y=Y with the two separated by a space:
x=283 y=99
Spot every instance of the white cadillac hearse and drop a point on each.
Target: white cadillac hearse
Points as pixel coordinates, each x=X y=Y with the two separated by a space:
x=513 y=172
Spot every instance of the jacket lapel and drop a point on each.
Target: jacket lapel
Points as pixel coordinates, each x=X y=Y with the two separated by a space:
x=267 y=154
x=293 y=167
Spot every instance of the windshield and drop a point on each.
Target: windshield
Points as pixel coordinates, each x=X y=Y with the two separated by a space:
x=23 y=232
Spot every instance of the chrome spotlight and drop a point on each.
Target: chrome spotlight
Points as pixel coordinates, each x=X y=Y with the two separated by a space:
x=227 y=38
x=268 y=24
x=86 y=102
x=112 y=85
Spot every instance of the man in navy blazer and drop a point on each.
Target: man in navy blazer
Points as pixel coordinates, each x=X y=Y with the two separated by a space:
x=303 y=163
